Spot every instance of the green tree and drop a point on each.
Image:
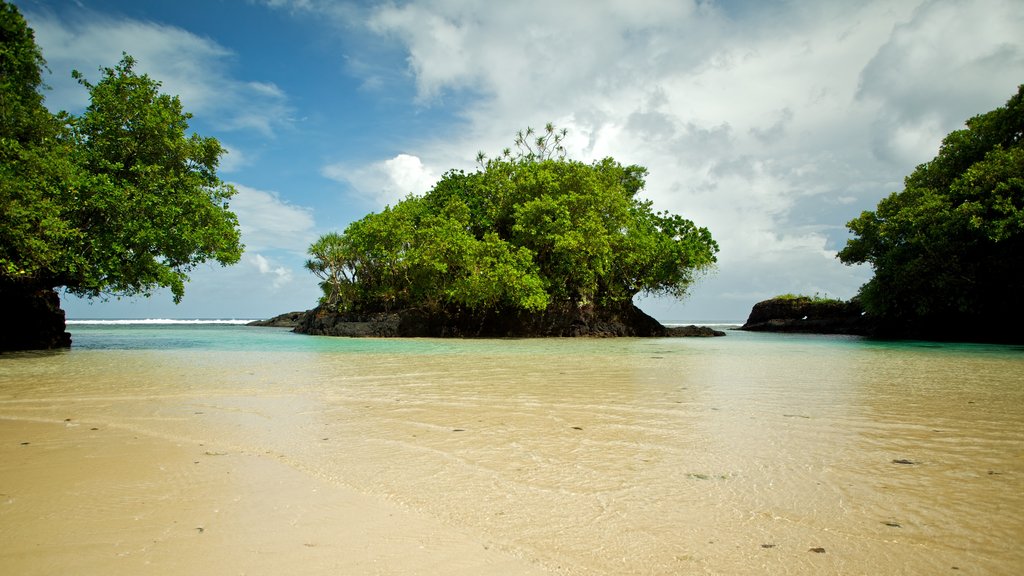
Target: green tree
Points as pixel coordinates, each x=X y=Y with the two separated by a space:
x=151 y=200
x=526 y=232
x=328 y=262
x=22 y=115
x=120 y=200
x=948 y=250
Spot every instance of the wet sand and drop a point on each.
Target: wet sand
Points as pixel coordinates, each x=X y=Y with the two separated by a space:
x=85 y=498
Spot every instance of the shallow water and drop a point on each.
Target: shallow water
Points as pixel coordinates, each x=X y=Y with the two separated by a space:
x=735 y=455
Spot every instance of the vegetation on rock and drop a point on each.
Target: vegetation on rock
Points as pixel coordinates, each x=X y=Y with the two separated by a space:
x=948 y=250
x=528 y=232
x=805 y=298
x=806 y=314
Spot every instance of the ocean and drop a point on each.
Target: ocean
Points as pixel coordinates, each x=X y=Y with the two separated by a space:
x=745 y=454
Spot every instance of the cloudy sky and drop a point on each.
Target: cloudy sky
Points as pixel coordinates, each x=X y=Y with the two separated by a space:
x=772 y=123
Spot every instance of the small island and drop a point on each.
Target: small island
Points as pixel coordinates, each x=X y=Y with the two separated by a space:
x=530 y=244
x=808 y=315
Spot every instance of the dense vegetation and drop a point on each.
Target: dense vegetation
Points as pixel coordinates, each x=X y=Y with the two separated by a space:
x=526 y=232
x=117 y=201
x=948 y=250
x=816 y=298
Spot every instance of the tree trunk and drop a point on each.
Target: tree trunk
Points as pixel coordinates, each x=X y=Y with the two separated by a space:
x=31 y=318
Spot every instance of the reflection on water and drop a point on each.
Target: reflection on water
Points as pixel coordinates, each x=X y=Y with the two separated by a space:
x=740 y=455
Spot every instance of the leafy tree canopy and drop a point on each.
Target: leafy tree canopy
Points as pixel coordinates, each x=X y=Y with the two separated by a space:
x=523 y=232
x=120 y=200
x=948 y=250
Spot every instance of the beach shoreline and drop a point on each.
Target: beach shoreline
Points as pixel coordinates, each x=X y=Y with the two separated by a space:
x=220 y=449
x=92 y=498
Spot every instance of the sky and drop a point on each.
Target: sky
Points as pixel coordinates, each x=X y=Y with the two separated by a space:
x=771 y=123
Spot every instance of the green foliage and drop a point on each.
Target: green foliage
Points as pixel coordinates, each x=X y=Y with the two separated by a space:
x=328 y=262
x=531 y=147
x=816 y=298
x=521 y=233
x=948 y=250
x=120 y=200
x=21 y=64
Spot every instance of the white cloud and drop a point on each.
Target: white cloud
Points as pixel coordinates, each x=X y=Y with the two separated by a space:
x=190 y=66
x=280 y=275
x=268 y=222
x=949 y=61
x=233 y=160
x=387 y=181
x=767 y=129
x=545 y=49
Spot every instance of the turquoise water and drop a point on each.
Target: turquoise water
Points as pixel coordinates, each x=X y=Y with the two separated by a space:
x=238 y=337
x=731 y=455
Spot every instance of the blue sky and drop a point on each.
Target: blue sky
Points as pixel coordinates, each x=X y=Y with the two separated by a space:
x=771 y=123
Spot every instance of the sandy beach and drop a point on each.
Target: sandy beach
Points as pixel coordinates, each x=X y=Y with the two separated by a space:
x=83 y=497
x=220 y=450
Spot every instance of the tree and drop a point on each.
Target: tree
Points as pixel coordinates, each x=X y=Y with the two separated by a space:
x=533 y=147
x=948 y=250
x=523 y=234
x=328 y=262
x=120 y=200
x=22 y=114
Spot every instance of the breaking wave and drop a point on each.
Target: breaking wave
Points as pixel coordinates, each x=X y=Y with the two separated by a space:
x=125 y=322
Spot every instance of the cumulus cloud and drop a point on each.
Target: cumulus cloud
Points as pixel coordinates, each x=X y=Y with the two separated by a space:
x=268 y=222
x=935 y=69
x=280 y=276
x=190 y=66
x=276 y=234
x=385 y=182
x=503 y=49
x=726 y=119
x=772 y=130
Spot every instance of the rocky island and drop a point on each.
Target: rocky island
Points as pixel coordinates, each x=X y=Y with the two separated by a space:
x=808 y=315
x=532 y=244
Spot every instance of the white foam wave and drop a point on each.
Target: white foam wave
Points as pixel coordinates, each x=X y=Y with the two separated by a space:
x=159 y=321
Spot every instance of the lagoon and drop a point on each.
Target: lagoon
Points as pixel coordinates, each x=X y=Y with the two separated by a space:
x=748 y=454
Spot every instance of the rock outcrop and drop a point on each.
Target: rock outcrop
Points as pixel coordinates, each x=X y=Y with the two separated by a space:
x=809 y=316
x=33 y=319
x=693 y=331
x=627 y=320
x=286 y=320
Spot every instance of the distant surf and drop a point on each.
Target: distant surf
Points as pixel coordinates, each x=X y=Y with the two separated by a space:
x=121 y=322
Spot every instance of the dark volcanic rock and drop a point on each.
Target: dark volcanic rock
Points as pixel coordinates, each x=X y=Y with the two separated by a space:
x=805 y=315
x=320 y=322
x=627 y=320
x=693 y=331
x=287 y=320
x=33 y=319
